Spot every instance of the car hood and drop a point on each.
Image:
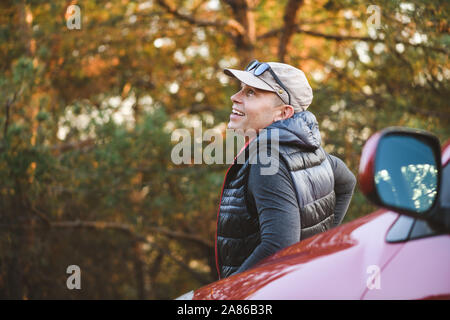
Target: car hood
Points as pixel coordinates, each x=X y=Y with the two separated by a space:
x=331 y=265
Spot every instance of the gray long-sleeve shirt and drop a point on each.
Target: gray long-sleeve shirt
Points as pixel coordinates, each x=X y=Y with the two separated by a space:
x=276 y=203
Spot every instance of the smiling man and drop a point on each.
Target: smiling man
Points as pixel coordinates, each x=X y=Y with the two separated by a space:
x=309 y=193
x=265 y=108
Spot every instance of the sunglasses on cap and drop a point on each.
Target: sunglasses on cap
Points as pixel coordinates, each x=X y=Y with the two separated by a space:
x=258 y=68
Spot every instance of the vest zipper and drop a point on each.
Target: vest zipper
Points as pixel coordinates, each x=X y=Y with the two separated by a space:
x=220 y=201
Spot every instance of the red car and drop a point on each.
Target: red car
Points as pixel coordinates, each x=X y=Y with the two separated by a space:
x=399 y=252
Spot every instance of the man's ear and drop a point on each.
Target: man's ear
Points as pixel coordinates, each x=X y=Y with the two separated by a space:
x=284 y=112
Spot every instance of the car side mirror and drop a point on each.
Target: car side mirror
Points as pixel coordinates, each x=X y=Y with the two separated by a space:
x=400 y=169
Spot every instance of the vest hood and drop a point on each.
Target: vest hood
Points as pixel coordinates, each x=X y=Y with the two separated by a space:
x=301 y=130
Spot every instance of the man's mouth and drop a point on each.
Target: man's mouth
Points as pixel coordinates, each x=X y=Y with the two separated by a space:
x=238 y=113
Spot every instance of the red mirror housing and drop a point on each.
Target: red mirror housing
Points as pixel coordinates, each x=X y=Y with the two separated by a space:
x=367 y=165
x=375 y=154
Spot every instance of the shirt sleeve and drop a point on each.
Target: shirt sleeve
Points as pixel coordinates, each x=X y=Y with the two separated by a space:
x=276 y=203
x=344 y=184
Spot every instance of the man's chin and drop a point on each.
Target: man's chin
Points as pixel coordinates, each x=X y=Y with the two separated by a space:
x=232 y=126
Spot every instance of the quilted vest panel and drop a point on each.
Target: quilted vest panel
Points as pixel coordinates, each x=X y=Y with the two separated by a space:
x=238 y=232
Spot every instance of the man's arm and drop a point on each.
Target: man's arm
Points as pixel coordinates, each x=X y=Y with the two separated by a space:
x=344 y=184
x=279 y=219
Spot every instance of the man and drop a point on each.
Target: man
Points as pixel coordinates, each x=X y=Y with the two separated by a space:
x=309 y=193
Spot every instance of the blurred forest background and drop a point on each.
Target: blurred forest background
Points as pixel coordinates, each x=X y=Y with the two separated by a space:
x=86 y=118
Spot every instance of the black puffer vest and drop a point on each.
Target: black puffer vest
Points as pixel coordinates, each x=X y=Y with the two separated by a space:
x=238 y=232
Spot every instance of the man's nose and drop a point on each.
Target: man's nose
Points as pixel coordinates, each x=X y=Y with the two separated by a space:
x=236 y=98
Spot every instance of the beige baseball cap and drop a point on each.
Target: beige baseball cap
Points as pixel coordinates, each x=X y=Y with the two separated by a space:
x=292 y=78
